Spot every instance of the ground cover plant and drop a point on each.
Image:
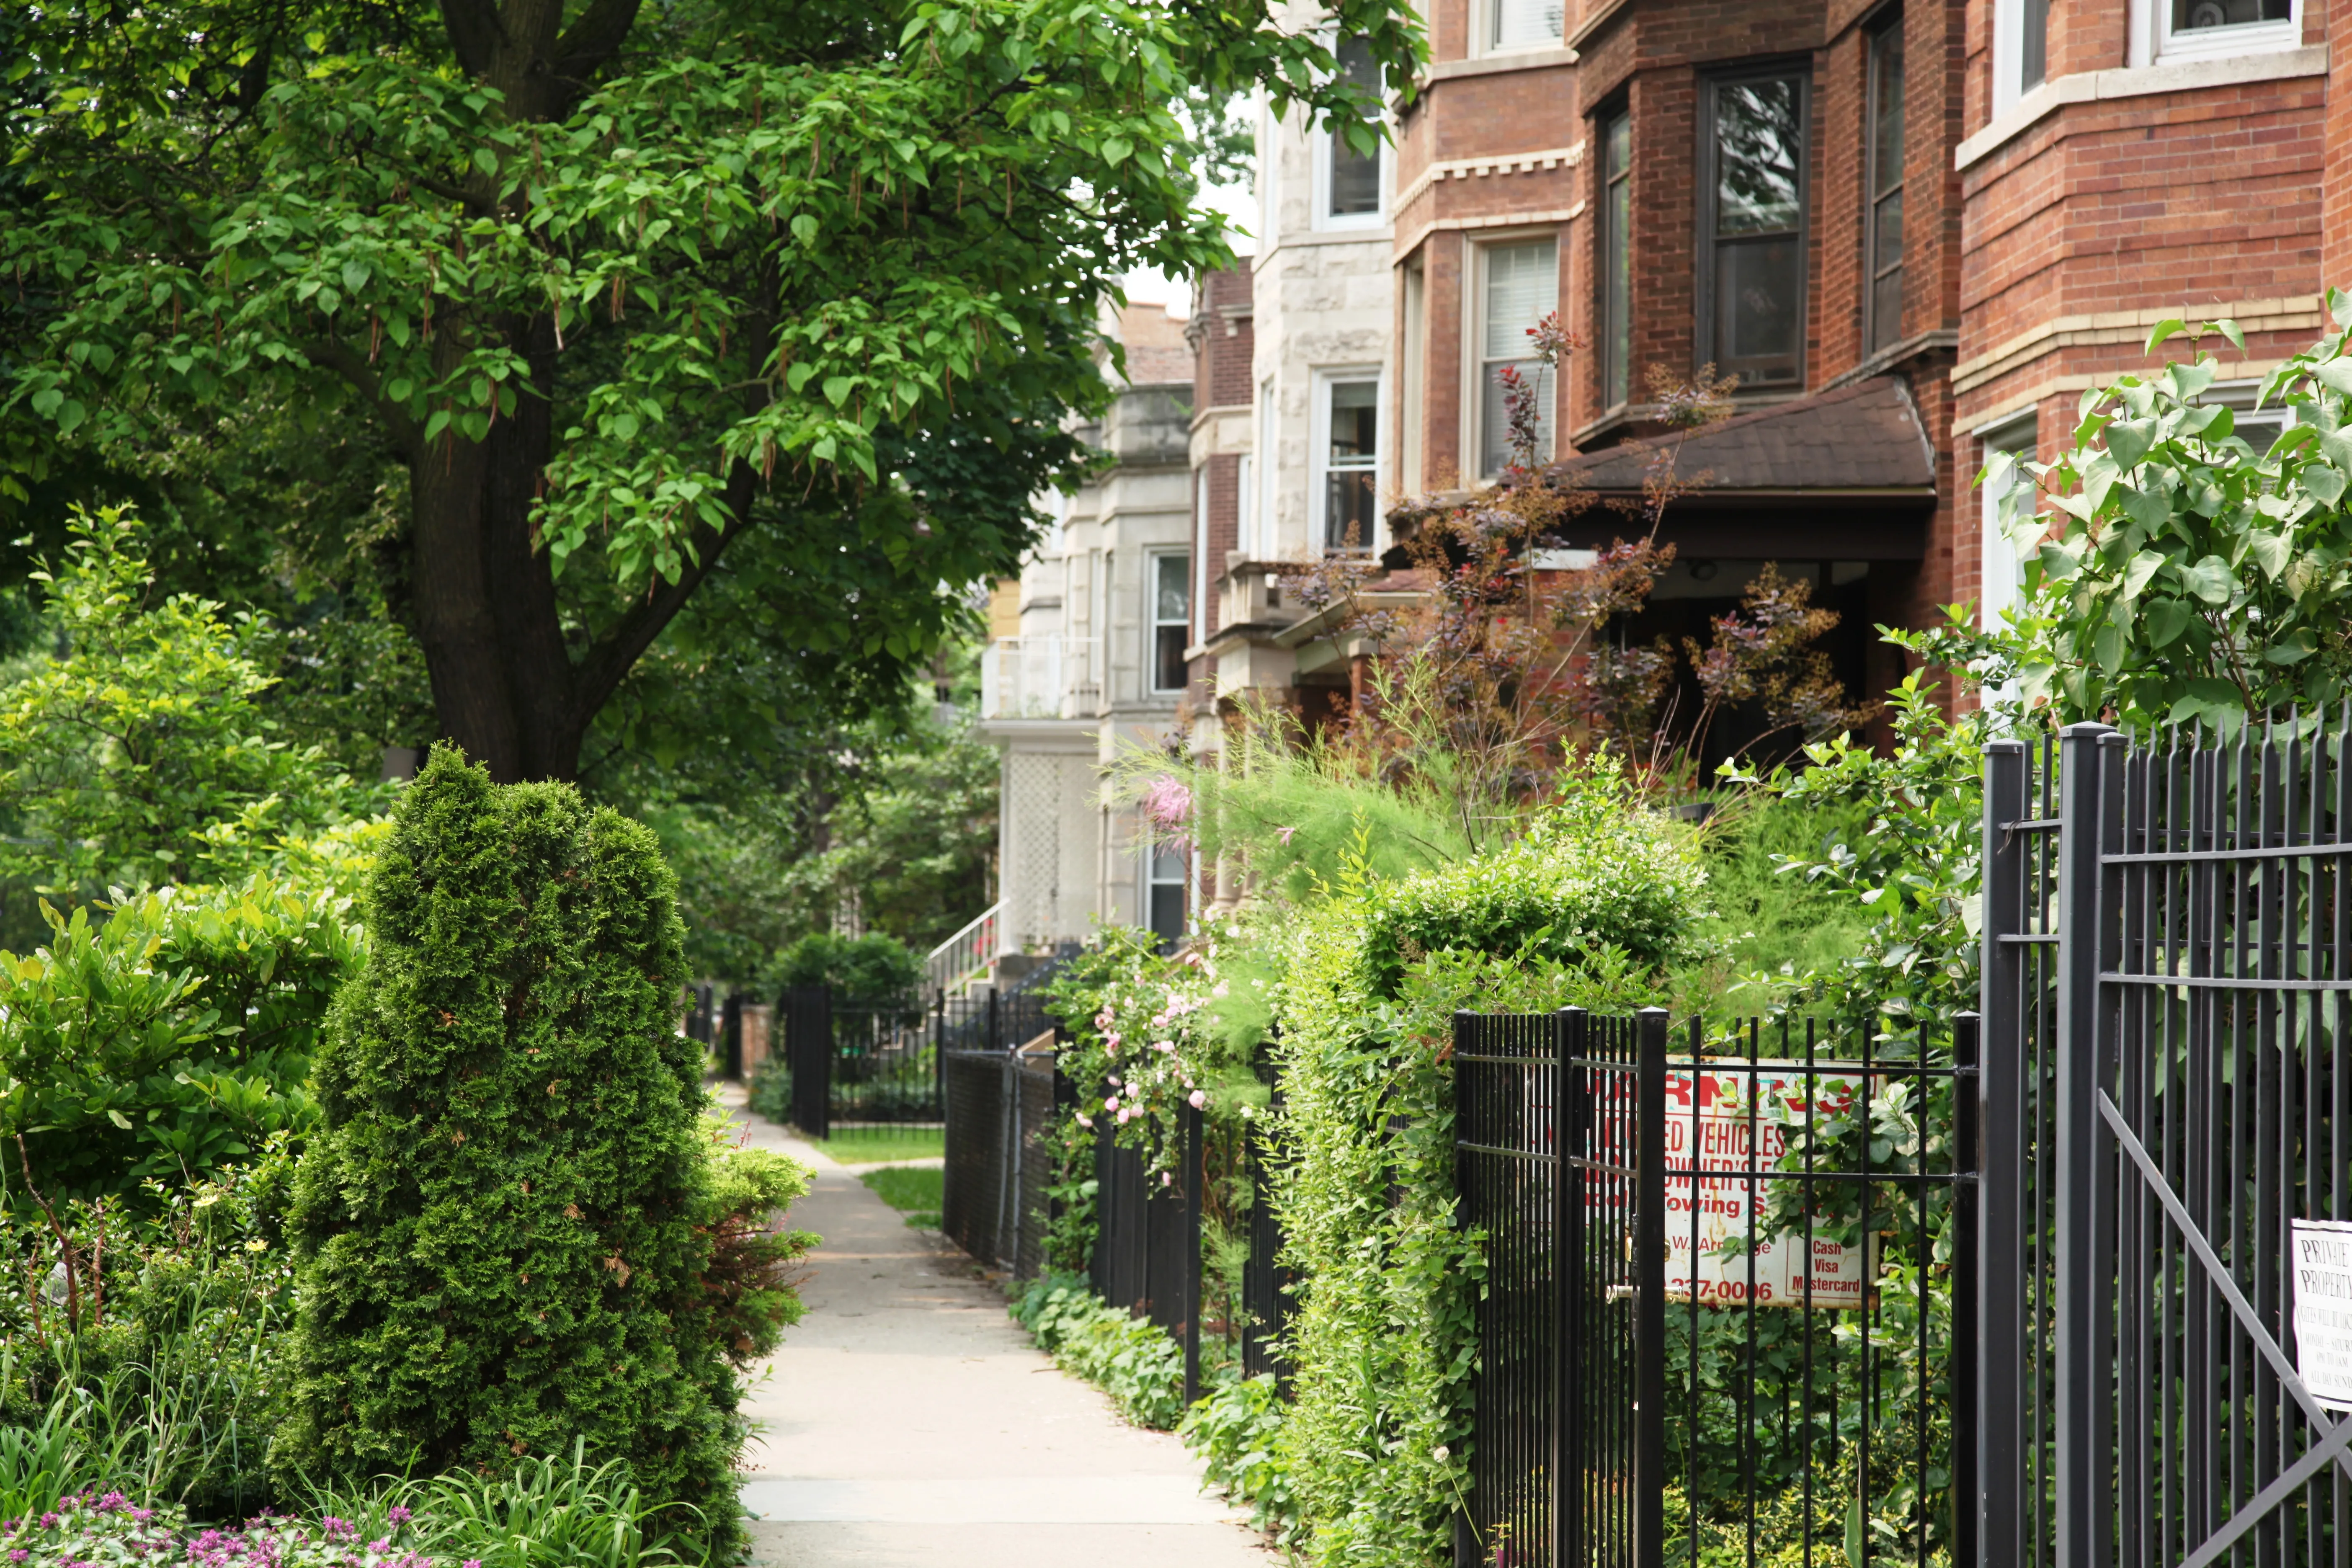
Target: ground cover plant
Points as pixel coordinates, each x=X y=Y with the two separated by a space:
x=548 y=1513
x=508 y=1232
x=1128 y=1358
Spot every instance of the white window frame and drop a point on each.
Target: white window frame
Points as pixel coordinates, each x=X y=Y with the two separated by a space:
x=1263 y=544
x=2155 y=43
x=1483 y=15
x=1415 y=368
x=1473 y=351
x=2009 y=52
x=1319 y=450
x=1152 y=623
x=2018 y=434
x=1199 y=617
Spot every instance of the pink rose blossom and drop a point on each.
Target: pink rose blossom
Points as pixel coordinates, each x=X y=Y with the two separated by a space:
x=1199 y=1100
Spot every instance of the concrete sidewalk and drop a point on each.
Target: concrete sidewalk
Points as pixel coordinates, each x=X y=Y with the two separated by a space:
x=906 y=1421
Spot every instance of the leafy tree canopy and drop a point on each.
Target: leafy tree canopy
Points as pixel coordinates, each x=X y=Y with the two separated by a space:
x=622 y=286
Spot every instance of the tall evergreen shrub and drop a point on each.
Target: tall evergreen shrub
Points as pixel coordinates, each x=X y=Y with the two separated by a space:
x=504 y=1226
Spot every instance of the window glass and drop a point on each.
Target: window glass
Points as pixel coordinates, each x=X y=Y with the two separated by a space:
x=1351 y=513
x=1171 y=619
x=1759 y=264
x=1617 y=266
x=1167 y=912
x=1355 y=176
x=2033 y=44
x=2197 y=14
x=1522 y=24
x=1886 y=193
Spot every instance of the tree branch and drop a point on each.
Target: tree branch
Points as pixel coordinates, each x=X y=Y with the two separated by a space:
x=474 y=33
x=345 y=361
x=587 y=44
x=600 y=674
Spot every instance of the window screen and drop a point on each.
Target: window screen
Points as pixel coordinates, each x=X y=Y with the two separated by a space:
x=1756 y=246
x=1525 y=24
x=1617 y=259
x=1518 y=286
x=2193 y=15
x=1166 y=913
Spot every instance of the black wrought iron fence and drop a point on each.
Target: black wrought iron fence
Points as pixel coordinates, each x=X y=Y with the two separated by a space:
x=1716 y=1326
x=1147 y=1256
x=1266 y=1280
x=1000 y=1103
x=2168 y=961
x=1000 y=1169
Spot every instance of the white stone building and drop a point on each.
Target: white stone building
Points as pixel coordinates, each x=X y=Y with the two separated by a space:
x=1254 y=440
x=1089 y=662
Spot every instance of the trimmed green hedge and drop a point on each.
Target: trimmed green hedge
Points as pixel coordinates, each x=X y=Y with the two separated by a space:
x=505 y=1227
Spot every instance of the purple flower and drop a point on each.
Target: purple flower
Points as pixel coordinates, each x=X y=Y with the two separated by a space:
x=381 y=1544
x=473 y=1563
x=399 y=1515
x=18 y=1555
x=338 y=1528
x=49 y=1521
x=112 y=1502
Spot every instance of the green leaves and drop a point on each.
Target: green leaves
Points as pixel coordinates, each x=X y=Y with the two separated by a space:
x=2178 y=574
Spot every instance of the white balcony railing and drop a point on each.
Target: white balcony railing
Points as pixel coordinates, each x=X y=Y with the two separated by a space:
x=955 y=963
x=1038 y=678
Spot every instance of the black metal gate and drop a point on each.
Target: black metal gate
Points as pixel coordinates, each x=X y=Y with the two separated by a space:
x=2167 y=959
x=858 y=1069
x=1726 y=1294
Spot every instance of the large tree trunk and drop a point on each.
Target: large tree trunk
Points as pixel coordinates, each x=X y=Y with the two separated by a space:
x=504 y=682
x=493 y=641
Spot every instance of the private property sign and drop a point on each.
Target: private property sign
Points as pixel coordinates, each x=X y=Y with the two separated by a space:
x=1736 y=1119
x=2323 y=1310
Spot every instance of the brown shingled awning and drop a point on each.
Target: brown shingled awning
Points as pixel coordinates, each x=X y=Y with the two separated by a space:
x=1847 y=475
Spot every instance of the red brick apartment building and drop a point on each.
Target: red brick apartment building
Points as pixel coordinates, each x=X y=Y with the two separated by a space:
x=1915 y=230
x=1762 y=185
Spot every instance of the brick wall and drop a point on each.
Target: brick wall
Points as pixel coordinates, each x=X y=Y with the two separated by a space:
x=1222 y=473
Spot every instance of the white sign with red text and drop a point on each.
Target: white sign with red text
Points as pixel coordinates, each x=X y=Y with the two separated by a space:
x=1721 y=1120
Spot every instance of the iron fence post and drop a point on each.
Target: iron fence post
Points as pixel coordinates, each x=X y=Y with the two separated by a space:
x=1999 y=1093
x=1650 y=1295
x=1467 y=1546
x=2079 y=1468
x=1568 y=1280
x=1967 y=1173
x=1193 y=1166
